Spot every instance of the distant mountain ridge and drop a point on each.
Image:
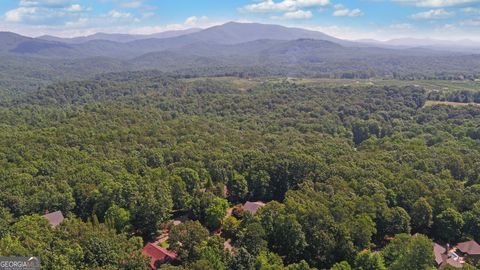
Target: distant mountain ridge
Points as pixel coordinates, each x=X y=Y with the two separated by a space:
x=232 y=48
x=130 y=46
x=122 y=38
x=127 y=46
x=466 y=45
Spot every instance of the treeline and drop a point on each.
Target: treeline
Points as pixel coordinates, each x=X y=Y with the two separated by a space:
x=462 y=96
x=343 y=171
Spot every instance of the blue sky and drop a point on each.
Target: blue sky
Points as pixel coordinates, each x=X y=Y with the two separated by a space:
x=380 y=19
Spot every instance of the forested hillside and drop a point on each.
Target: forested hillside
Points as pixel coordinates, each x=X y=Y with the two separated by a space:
x=360 y=177
x=231 y=49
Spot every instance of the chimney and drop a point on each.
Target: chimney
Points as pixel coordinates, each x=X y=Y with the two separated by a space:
x=447 y=250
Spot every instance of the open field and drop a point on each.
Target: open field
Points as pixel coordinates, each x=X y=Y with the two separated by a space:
x=429 y=103
x=429 y=85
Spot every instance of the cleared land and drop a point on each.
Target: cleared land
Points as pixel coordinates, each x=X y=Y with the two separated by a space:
x=449 y=103
x=429 y=85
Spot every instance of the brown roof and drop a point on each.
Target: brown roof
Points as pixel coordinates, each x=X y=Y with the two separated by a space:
x=253 y=207
x=470 y=247
x=442 y=258
x=453 y=262
x=439 y=251
x=54 y=218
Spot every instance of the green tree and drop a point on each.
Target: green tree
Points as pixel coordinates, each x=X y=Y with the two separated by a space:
x=268 y=261
x=230 y=227
x=181 y=198
x=190 y=178
x=6 y=220
x=33 y=232
x=409 y=252
x=243 y=260
x=448 y=225
x=258 y=183
x=237 y=188
x=302 y=265
x=185 y=237
x=289 y=239
x=367 y=260
x=362 y=229
x=252 y=239
x=150 y=208
x=393 y=221
x=341 y=266
x=213 y=252
x=422 y=215
x=215 y=213
x=472 y=222
x=100 y=252
x=118 y=218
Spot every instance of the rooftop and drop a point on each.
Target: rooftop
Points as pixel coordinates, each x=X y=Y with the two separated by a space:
x=253 y=207
x=470 y=247
x=54 y=218
x=157 y=253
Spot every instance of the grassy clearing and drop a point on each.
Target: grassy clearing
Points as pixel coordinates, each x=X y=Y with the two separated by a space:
x=429 y=103
x=429 y=85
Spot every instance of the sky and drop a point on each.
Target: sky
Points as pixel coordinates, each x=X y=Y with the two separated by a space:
x=348 y=19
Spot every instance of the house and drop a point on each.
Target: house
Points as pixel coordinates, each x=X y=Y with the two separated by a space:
x=470 y=250
x=445 y=256
x=439 y=252
x=54 y=218
x=158 y=255
x=253 y=207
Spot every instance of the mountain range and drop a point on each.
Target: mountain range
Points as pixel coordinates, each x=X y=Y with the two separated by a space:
x=231 y=48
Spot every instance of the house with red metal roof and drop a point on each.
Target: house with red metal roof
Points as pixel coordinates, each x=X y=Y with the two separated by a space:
x=158 y=255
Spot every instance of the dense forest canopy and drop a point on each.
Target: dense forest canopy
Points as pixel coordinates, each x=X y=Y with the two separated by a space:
x=353 y=177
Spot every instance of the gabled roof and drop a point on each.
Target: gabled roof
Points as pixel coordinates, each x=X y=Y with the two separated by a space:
x=54 y=218
x=470 y=247
x=157 y=253
x=253 y=207
x=453 y=262
x=439 y=251
x=442 y=258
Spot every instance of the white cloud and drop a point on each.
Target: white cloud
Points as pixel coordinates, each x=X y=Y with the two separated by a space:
x=195 y=21
x=471 y=10
x=284 y=5
x=43 y=12
x=470 y=22
x=112 y=19
x=75 y=8
x=342 y=11
x=80 y=23
x=190 y=22
x=132 y=4
x=119 y=15
x=44 y=3
x=401 y=26
x=433 y=14
x=293 y=15
x=436 y=3
x=19 y=14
